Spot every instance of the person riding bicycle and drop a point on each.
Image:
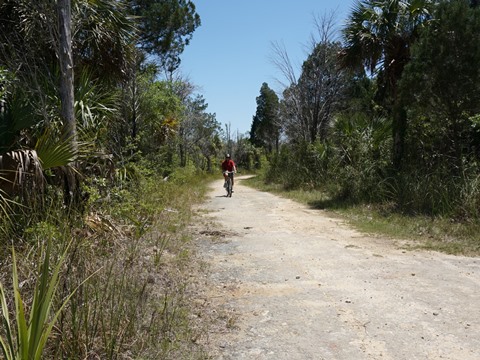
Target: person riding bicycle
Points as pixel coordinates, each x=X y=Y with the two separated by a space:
x=228 y=165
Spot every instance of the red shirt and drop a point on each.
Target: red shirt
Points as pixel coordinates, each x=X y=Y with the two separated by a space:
x=228 y=165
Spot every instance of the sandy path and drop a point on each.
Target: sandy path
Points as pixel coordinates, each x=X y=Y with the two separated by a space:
x=293 y=283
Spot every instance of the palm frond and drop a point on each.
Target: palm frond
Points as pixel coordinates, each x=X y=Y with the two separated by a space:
x=378 y=32
x=55 y=151
x=107 y=35
x=93 y=105
x=362 y=40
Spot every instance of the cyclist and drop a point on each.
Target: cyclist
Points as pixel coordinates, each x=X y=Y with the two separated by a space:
x=228 y=165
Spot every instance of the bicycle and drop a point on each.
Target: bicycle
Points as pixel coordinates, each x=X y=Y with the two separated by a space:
x=229 y=185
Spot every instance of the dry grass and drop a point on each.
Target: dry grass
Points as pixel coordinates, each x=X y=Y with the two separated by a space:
x=139 y=303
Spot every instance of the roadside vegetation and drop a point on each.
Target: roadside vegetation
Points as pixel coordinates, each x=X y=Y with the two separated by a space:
x=104 y=150
x=124 y=278
x=381 y=122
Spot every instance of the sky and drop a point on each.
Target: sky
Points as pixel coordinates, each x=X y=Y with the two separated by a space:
x=230 y=54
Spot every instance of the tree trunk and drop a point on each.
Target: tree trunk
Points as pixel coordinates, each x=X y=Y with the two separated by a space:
x=66 y=67
x=65 y=58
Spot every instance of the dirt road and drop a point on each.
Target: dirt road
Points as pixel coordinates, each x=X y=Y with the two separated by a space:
x=292 y=283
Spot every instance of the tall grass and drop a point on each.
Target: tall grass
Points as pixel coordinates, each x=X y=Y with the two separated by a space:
x=136 y=305
x=134 y=239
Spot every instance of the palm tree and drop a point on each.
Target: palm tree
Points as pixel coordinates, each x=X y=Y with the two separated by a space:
x=378 y=36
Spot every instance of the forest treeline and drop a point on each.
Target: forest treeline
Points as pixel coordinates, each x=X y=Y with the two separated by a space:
x=388 y=112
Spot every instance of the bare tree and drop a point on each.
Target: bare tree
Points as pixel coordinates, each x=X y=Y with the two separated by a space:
x=283 y=63
x=228 y=139
x=326 y=29
x=309 y=100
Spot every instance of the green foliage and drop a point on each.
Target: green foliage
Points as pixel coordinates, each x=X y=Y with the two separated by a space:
x=95 y=106
x=447 y=98
x=297 y=166
x=247 y=156
x=147 y=122
x=103 y=41
x=161 y=107
x=53 y=152
x=441 y=87
x=136 y=233
x=165 y=28
x=378 y=35
x=265 y=130
x=17 y=112
x=360 y=158
x=199 y=134
x=351 y=166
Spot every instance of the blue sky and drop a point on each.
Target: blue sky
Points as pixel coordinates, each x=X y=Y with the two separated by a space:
x=230 y=54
